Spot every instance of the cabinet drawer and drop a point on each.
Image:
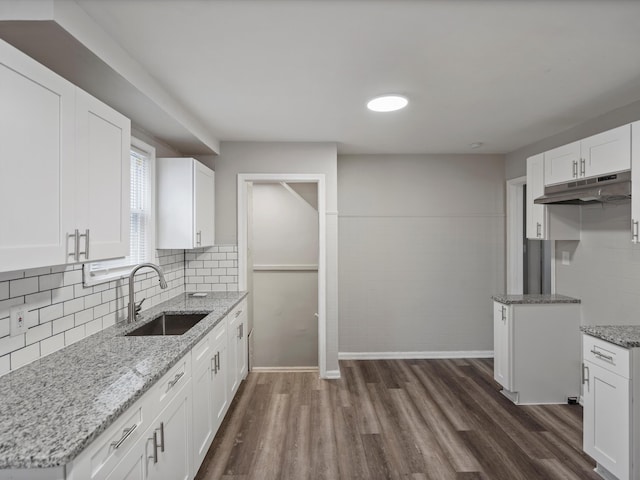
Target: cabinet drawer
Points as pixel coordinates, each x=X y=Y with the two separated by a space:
x=109 y=449
x=607 y=355
x=201 y=353
x=170 y=384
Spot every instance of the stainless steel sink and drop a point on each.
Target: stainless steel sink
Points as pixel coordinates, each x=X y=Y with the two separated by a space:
x=168 y=324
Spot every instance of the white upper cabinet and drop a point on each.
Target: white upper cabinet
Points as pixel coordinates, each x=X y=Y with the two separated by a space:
x=185 y=199
x=103 y=141
x=547 y=222
x=601 y=154
x=63 y=158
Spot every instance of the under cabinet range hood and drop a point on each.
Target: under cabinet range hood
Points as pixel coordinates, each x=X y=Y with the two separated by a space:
x=607 y=188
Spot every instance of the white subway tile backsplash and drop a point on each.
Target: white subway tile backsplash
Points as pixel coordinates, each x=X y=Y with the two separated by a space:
x=52 y=344
x=49 y=282
x=5 y=327
x=63 y=324
x=73 y=306
x=62 y=311
x=74 y=335
x=5 y=364
x=61 y=294
x=38 y=300
x=72 y=277
x=25 y=355
x=47 y=314
x=11 y=344
x=39 y=332
x=84 y=316
x=23 y=286
x=227 y=248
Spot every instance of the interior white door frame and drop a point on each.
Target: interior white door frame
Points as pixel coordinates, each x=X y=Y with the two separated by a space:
x=514 y=229
x=243 y=180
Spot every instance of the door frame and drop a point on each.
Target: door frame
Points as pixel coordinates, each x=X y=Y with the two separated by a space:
x=319 y=178
x=514 y=229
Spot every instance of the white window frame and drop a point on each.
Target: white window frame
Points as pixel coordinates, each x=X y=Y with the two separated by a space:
x=124 y=270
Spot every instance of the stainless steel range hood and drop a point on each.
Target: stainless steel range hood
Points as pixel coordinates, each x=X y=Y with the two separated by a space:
x=606 y=188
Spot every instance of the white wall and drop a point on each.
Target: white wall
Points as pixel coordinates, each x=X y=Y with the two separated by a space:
x=265 y=157
x=421 y=252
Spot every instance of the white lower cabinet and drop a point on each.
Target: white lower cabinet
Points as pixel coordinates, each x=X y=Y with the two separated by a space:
x=132 y=466
x=537 y=351
x=611 y=428
x=238 y=346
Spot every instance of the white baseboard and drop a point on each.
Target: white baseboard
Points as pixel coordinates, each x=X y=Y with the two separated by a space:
x=414 y=355
x=332 y=374
x=284 y=369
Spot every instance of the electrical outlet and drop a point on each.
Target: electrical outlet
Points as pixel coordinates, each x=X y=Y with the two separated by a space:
x=18 y=320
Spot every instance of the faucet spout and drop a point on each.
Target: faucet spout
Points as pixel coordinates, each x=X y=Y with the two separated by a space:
x=132 y=311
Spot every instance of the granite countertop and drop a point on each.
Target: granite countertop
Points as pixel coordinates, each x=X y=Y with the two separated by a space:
x=53 y=408
x=627 y=336
x=533 y=299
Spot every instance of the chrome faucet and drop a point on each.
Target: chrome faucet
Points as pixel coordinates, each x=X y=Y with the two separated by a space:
x=133 y=308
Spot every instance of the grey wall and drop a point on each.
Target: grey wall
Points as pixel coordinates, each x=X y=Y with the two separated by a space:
x=516 y=161
x=421 y=241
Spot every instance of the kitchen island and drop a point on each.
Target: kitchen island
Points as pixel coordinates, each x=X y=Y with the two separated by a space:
x=53 y=408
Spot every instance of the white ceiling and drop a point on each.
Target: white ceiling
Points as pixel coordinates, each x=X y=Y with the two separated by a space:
x=505 y=73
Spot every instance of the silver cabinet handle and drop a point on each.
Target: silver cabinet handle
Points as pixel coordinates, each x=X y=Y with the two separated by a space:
x=504 y=313
x=155 y=447
x=125 y=434
x=161 y=436
x=175 y=379
x=218 y=361
x=583 y=167
x=199 y=237
x=634 y=231
x=214 y=362
x=585 y=378
x=602 y=355
x=86 y=244
x=241 y=330
x=574 y=171
x=538 y=229
x=76 y=244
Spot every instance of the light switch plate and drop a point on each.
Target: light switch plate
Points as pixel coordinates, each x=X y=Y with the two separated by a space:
x=566 y=258
x=18 y=320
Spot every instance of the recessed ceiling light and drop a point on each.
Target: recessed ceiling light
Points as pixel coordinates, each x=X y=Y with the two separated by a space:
x=387 y=103
x=476 y=145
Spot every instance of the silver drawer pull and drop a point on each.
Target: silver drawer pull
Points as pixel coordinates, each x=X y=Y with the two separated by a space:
x=238 y=313
x=176 y=379
x=602 y=355
x=125 y=434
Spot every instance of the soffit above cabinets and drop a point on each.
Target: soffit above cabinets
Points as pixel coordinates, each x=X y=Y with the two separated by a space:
x=148 y=107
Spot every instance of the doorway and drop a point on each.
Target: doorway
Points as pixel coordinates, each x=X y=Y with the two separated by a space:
x=529 y=262
x=256 y=271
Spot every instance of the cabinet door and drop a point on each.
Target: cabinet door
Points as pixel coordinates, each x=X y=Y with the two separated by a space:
x=501 y=344
x=103 y=140
x=203 y=409
x=535 y=188
x=233 y=345
x=562 y=164
x=36 y=162
x=173 y=426
x=606 y=152
x=607 y=431
x=204 y=205
x=242 y=351
x=132 y=466
x=220 y=399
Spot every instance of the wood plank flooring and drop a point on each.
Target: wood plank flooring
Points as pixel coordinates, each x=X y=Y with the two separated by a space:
x=394 y=419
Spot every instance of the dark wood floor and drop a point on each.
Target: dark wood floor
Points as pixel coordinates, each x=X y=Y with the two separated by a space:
x=396 y=419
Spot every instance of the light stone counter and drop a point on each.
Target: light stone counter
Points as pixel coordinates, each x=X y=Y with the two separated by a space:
x=627 y=336
x=51 y=409
x=531 y=299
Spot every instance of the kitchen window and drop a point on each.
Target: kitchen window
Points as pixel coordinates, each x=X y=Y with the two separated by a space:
x=141 y=220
